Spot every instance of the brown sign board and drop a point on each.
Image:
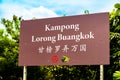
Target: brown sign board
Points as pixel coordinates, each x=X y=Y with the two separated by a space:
x=69 y=40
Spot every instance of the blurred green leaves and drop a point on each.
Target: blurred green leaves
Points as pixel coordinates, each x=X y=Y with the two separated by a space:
x=116 y=75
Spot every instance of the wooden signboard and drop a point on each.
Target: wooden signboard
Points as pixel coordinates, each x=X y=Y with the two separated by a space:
x=70 y=40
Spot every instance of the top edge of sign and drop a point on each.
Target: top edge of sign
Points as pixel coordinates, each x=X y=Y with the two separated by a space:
x=66 y=16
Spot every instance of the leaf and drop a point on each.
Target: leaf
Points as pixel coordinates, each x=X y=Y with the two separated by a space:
x=1 y=32
x=117 y=5
x=2 y=58
x=116 y=75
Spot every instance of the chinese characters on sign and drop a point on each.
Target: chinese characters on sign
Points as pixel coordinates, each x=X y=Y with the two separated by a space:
x=64 y=49
x=69 y=40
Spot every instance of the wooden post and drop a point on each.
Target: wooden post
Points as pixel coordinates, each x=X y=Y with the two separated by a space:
x=25 y=73
x=101 y=72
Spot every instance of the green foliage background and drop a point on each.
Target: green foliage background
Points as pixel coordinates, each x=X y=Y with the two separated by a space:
x=9 y=50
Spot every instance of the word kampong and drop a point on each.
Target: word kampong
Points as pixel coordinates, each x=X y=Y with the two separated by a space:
x=61 y=37
x=61 y=28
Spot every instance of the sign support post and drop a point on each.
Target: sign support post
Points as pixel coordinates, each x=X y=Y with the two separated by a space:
x=101 y=72
x=24 y=72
